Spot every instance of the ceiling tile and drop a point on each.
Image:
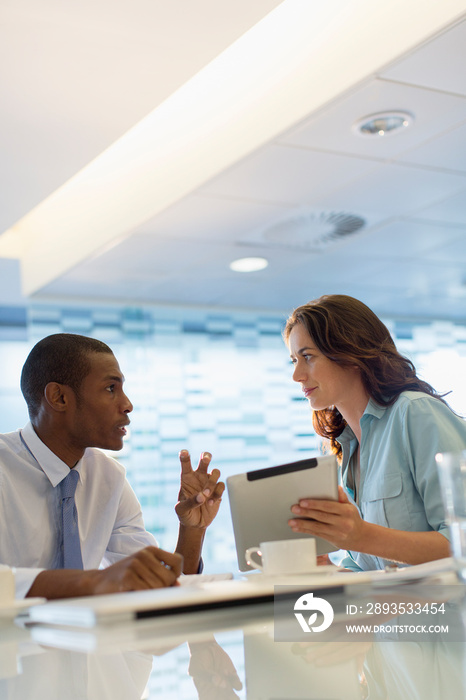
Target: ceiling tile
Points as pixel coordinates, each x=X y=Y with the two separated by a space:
x=448 y=210
x=332 y=130
x=205 y=218
x=415 y=277
x=447 y=151
x=423 y=67
x=394 y=190
x=452 y=251
x=401 y=240
x=287 y=175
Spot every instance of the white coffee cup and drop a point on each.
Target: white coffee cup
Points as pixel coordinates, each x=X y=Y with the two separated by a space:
x=284 y=557
x=7 y=585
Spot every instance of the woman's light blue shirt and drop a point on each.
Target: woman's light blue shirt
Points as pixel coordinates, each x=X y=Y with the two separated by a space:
x=399 y=485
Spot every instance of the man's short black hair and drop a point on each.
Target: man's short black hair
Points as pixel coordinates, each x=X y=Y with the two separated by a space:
x=62 y=358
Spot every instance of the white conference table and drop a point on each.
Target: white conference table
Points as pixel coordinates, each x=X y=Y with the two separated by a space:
x=231 y=653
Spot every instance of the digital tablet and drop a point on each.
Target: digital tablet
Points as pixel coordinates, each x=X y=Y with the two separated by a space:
x=260 y=501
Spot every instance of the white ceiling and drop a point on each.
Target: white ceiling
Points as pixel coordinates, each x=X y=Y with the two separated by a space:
x=66 y=100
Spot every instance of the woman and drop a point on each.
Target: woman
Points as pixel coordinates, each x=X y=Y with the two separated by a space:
x=385 y=426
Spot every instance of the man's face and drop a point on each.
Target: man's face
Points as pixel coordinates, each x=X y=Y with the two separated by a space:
x=99 y=414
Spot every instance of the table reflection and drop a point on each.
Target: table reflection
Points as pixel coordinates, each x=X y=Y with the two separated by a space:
x=54 y=674
x=401 y=670
x=225 y=655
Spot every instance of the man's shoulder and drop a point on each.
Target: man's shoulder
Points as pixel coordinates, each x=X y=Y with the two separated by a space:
x=12 y=454
x=95 y=456
x=10 y=440
x=12 y=434
x=102 y=472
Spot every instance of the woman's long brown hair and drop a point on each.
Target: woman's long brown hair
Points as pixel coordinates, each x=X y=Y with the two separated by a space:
x=347 y=332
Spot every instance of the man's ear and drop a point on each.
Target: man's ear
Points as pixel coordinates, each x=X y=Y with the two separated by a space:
x=57 y=396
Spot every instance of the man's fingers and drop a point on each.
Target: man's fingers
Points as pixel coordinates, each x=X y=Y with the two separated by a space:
x=171 y=559
x=219 y=489
x=143 y=574
x=204 y=462
x=324 y=560
x=212 y=490
x=159 y=566
x=151 y=567
x=211 y=483
x=186 y=466
x=185 y=460
x=188 y=504
x=217 y=493
x=208 y=495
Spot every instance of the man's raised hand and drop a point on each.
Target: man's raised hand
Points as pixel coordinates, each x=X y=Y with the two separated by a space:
x=200 y=492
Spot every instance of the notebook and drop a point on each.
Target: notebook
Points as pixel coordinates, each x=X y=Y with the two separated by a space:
x=260 y=501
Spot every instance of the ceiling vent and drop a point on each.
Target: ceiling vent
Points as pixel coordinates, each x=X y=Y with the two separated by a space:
x=312 y=231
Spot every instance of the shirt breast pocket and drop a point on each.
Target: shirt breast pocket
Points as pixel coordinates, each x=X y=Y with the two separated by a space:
x=384 y=503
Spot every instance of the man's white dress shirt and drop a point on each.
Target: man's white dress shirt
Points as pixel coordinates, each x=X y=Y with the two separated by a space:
x=110 y=519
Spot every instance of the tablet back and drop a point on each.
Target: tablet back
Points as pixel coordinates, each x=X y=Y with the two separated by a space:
x=260 y=501
x=282 y=671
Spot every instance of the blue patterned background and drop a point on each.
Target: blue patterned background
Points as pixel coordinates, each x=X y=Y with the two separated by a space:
x=206 y=380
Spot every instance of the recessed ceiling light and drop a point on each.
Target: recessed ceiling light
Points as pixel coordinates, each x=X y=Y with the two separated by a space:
x=383 y=123
x=248 y=264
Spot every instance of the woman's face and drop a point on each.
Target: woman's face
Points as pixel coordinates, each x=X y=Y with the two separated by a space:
x=324 y=382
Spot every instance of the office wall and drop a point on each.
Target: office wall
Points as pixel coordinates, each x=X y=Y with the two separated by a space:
x=206 y=380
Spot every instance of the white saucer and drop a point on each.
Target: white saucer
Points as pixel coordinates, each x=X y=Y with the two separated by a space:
x=260 y=577
x=15 y=607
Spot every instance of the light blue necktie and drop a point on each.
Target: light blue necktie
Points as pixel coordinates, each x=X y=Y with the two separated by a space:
x=72 y=558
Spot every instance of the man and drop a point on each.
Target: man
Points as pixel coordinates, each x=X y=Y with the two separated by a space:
x=73 y=387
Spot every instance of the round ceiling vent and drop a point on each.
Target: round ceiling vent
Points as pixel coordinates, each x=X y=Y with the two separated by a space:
x=313 y=230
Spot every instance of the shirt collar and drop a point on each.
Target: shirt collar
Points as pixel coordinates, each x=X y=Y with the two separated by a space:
x=52 y=466
x=346 y=435
x=372 y=409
